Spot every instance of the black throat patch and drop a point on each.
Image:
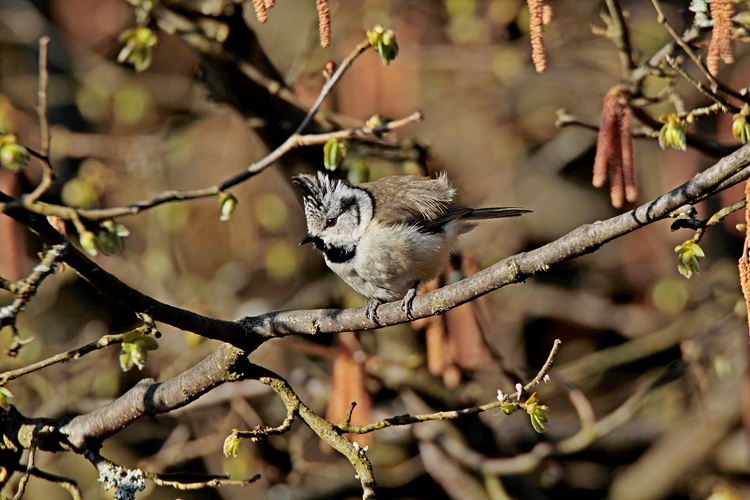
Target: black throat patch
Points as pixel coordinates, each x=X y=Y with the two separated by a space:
x=338 y=255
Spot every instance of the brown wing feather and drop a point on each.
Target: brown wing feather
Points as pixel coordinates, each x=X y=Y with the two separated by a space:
x=426 y=202
x=411 y=199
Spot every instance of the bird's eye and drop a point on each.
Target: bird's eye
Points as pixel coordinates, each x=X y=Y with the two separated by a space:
x=331 y=222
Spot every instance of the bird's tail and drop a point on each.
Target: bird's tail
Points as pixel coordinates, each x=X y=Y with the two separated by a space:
x=495 y=213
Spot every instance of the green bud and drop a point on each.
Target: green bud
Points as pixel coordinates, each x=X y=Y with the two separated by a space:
x=12 y=154
x=88 y=242
x=144 y=36
x=231 y=444
x=378 y=120
x=384 y=42
x=109 y=240
x=227 y=203
x=672 y=134
x=509 y=408
x=139 y=47
x=5 y=395
x=375 y=34
x=687 y=258
x=334 y=153
x=740 y=128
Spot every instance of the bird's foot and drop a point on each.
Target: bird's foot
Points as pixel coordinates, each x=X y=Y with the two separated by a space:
x=407 y=301
x=371 y=310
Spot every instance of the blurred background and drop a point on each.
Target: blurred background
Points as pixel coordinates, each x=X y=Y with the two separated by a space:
x=624 y=314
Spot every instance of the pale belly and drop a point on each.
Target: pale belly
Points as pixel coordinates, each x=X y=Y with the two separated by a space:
x=391 y=261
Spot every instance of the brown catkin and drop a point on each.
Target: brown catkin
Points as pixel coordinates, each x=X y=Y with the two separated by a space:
x=324 y=22
x=607 y=141
x=269 y=3
x=616 y=178
x=745 y=283
x=260 y=10
x=536 y=31
x=436 y=346
x=720 y=46
x=547 y=12
x=744 y=267
x=626 y=145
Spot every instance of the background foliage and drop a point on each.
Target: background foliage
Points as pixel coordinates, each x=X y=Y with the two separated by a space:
x=624 y=313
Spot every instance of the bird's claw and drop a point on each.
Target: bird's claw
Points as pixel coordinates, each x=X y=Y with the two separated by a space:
x=371 y=310
x=407 y=301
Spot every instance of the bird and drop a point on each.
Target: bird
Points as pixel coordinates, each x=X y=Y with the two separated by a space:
x=384 y=238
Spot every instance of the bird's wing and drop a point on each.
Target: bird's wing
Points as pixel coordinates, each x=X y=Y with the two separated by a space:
x=410 y=199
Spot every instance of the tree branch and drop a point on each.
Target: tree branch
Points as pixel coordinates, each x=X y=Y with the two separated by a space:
x=149 y=397
x=249 y=332
x=515 y=269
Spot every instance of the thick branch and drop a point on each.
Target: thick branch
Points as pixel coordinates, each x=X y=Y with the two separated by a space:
x=251 y=331
x=149 y=397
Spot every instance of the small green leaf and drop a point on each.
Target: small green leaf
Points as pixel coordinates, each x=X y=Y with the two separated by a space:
x=135 y=347
x=5 y=395
x=376 y=121
x=334 y=153
x=537 y=423
x=227 y=203
x=149 y=343
x=687 y=258
x=126 y=356
x=231 y=444
x=537 y=413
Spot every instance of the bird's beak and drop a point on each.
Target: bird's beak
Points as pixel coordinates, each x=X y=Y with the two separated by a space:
x=307 y=239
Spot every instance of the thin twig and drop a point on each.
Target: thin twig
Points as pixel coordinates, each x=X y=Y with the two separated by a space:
x=294 y=141
x=449 y=415
x=620 y=34
x=724 y=212
x=64 y=482
x=262 y=432
x=25 y=479
x=194 y=481
x=546 y=368
x=590 y=431
x=330 y=83
x=48 y=174
x=26 y=288
x=725 y=106
x=42 y=95
x=661 y=18
x=18 y=342
x=105 y=341
x=717 y=217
